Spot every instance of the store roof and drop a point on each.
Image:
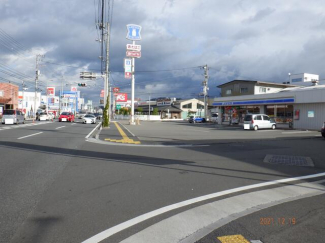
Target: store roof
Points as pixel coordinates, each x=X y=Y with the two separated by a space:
x=257 y=82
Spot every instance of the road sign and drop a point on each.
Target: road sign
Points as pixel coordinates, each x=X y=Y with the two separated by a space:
x=87 y=75
x=127 y=65
x=131 y=47
x=133 y=54
x=118 y=107
x=128 y=75
x=116 y=90
x=102 y=92
x=133 y=32
x=121 y=97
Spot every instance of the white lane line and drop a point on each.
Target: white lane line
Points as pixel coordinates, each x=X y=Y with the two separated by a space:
x=113 y=230
x=59 y=127
x=127 y=129
x=30 y=135
x=93 y=130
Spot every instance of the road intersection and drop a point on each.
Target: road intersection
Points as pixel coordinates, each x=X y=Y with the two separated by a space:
x=59 y=186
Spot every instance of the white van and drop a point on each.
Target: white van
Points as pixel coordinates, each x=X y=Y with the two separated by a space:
x=12 y=117
x=258 y=121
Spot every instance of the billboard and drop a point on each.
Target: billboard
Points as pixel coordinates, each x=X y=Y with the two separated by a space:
x=121 y=97
x=50 y=91
x=164 y=101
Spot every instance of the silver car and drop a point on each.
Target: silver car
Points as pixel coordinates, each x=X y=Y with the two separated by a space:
x=12 y=117
x=258 y=121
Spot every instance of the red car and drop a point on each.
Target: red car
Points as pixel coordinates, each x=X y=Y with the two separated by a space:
x=66 y=116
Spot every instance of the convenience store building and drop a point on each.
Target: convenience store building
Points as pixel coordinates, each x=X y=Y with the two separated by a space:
x=304 y=106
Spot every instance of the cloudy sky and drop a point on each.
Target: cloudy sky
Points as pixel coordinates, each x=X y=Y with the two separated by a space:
x=237 y=39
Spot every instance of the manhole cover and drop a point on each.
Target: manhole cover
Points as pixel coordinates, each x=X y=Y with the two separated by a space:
x=288 y=160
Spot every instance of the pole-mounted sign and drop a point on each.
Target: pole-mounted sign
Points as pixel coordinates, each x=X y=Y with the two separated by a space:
x=133 y=32
x=136 y=54
x=127 y=67
x=131 y=47
x=133 y=51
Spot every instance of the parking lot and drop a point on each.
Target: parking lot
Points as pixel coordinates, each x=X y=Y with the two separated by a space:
x=184 y=132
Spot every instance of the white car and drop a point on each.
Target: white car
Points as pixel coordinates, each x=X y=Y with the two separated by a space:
x=89 y=119
x=51 y=115
x=214 y=118
x=43 y=117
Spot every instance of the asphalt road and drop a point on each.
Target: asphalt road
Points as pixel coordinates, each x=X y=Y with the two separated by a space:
x=58 y=187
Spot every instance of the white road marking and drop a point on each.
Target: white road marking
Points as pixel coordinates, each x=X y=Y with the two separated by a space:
x=59 y=127
x=200 y=221
x=30 y=135
x=127 y=129
x=113 y=230
x=93 y=130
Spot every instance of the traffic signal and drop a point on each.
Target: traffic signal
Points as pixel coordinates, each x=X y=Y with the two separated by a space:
x=82 y=85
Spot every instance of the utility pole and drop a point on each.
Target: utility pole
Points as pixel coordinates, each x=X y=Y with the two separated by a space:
x=23 y=97
x=108 y=86
x=38 y=59
x=205 y=90
x=149 y=105
x=61 y=94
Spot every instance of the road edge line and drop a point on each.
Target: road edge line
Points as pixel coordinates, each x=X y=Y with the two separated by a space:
x=122 y=226
x=89 y=134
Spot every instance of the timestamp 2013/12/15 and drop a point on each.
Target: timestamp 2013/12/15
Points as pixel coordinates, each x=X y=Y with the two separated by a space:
x=278 y=221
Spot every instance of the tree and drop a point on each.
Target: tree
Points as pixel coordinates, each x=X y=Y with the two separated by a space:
x=140 y=109
x=155 y=111
x=106 y=115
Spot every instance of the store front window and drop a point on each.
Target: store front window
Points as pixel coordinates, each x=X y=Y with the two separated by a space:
x=281 y=113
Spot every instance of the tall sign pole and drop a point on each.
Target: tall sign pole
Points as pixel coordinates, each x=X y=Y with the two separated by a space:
x=133 y=51
x=205 y=90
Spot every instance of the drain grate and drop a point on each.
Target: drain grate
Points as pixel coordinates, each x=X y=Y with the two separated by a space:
x=288 y=160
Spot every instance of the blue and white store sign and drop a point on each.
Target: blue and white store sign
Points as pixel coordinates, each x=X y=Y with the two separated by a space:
x=133 y=32
x=255 y=102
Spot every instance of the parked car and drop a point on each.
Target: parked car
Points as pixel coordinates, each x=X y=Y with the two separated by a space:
x=258 y=121
x=66 y=116
x=98 y=116
x=323 y=130
x=43 y=116
x=81 y=115
x=51 y=115
x=214 y=118
x=12 y=117
x=195 y=119
x=89 y=119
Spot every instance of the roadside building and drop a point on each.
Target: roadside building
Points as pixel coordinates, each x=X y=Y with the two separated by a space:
x=165 y=112
x=303 y=106
x=304 y=79
x=8 y=96
x=26 y=102
x=237 y=90
x=190 y=107
x=250 y=87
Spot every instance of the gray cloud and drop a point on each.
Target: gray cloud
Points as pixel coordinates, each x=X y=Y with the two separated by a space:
x=248 y=39
x=261 y=14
